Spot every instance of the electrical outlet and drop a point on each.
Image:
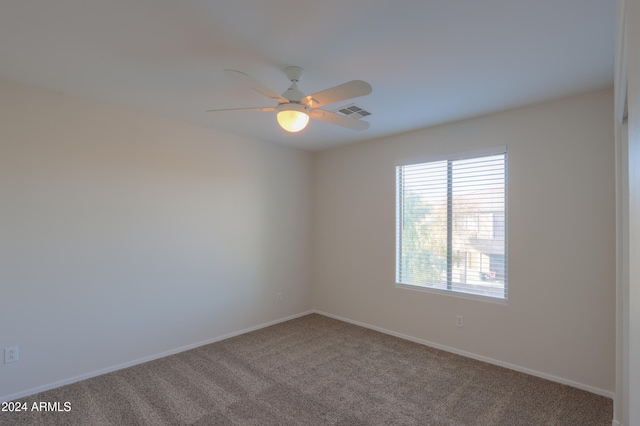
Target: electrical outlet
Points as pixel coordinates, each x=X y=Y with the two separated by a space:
x=279 y=295
x=459 y=321
x=10 y=354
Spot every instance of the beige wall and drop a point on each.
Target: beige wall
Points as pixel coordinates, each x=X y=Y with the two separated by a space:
x=123 y=235
x=560 y=317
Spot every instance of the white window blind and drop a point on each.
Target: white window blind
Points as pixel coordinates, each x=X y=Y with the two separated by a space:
x=451 y=225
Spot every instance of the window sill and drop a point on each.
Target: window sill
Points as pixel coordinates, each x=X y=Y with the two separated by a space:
x=460 y=294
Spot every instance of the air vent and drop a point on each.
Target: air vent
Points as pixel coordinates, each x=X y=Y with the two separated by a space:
x=352 y=111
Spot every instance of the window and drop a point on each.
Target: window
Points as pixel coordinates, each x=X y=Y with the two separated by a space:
x=451 y=224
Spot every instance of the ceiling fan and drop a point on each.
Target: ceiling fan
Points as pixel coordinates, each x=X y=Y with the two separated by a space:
x=294 y=107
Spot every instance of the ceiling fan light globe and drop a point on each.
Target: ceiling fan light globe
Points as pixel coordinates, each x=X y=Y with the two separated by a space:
x=292 y=117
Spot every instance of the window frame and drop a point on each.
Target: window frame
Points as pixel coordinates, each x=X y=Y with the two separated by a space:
x=450 y=290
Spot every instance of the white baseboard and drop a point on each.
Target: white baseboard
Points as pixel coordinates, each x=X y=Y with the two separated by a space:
x=102 y=371
x=525 y=370
x=615 y=423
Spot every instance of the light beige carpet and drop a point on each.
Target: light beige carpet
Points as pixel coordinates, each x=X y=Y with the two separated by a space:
x=316 y=370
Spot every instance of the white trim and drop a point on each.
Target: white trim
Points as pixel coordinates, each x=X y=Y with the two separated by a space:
x=622 y=270
x=620 y=82
x=615 y=423
x=621 y=407
x=514 y=367
x=106 y=370
x=501 y=149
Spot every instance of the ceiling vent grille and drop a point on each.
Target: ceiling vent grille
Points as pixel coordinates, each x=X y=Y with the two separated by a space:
x=352 y=111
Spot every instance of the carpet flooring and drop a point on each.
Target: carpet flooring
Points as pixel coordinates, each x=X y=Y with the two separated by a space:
x=315 y=370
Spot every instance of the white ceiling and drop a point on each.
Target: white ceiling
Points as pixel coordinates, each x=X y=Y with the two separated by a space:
x=429 y=61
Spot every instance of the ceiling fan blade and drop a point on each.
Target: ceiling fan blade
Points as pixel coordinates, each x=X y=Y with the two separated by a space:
x=349 y=90
x=340 y=120
x=256 y=109
x=254 y=84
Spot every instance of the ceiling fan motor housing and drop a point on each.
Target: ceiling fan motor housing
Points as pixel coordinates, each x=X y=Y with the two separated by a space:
x=293 y=73
x=293 y=94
